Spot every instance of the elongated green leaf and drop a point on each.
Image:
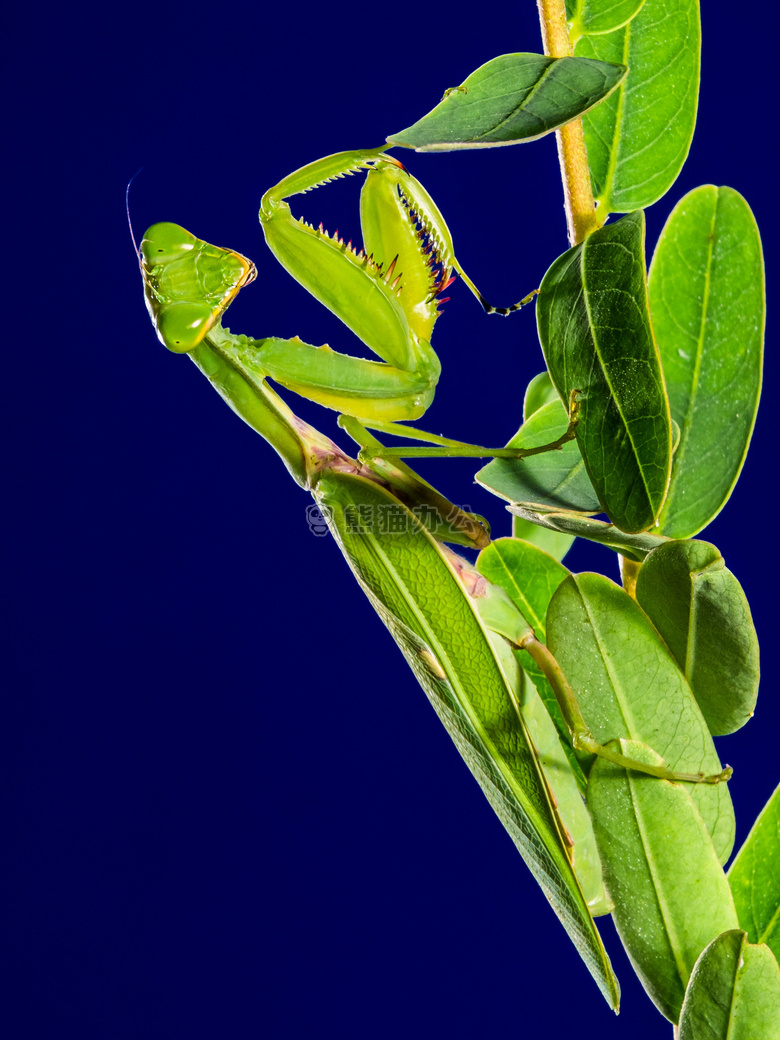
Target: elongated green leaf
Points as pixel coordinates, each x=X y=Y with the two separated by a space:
x=632 y=546
x=639 y=138
x=529 y=577
x=555 y=543
x=701 y=613
x=754 y=877
x=555 y=479
x=706 y=291
x=593 y=17
x=428 y=611
x=671 y=897
x=539 y=392
x=629 y=686
x=733 y=993
x=512 y=98
x=594 y=327
x=560 y=777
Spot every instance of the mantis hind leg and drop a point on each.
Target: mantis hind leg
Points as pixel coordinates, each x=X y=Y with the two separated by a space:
x=446 y=447
x=489 y=308
x=583 y=739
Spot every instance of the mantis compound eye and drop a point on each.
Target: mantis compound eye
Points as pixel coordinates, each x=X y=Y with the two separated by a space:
x=165 y=243
x=181 y=326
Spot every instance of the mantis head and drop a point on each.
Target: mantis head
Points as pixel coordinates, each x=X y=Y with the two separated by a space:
x=188 y=284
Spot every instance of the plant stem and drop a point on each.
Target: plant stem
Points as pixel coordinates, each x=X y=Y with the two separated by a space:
x=578 y=195
x=629 y=572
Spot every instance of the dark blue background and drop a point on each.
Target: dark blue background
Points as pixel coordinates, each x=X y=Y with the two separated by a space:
x=229 y=809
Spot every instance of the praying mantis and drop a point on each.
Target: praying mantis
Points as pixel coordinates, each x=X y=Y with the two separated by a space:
x=388 y=293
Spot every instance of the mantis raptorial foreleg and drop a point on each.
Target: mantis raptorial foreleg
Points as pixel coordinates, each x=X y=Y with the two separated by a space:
x=188 y=284
x=387 y=293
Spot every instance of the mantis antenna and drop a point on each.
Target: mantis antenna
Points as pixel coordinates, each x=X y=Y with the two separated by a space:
x=127 y=210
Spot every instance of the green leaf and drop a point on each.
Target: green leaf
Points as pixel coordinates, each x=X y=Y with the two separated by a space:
x=733 y=994
x=538 y=393
x=632 y=546
x=555 y=543
x=594 y=327
x=629 y=686
x=593 y=17
x=561 y=777
x=555 y=479
x=515 y=97
x=424 y=604
x=706 y=291
x=529 y=577
x=754 y=877
x=639 y=138
x=660 y=868
x=701 y=613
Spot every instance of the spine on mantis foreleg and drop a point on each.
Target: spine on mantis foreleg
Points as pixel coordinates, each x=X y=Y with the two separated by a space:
x=374 y=294
x=389 y=291
x=421 y=598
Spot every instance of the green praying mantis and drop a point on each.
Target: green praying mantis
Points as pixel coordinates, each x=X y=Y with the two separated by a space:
x=388 y=293
x=390 y=304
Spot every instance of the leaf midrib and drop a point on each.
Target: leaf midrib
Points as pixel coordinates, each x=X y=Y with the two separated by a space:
x=608 y=381
x=613 y=150
x=548 y=72
x=666 y=914
x=685 y=429
x=620 y=699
